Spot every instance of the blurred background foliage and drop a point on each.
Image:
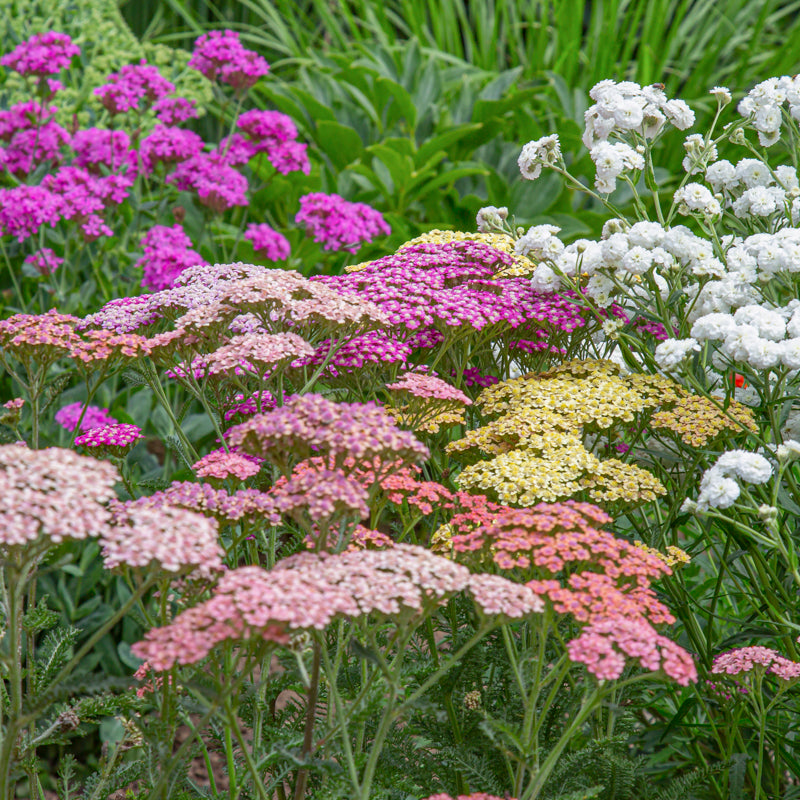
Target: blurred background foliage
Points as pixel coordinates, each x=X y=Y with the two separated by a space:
x=420 y=109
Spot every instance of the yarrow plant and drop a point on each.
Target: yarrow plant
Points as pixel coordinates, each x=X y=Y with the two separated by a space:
x=428 y=527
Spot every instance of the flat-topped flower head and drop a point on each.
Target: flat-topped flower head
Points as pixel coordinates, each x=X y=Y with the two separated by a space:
x=43 y=54
x=258 y=353
x=112 y=439
x=604 y=647
x=429 y=387
x=747 y=660
x=162 y=537
x=54 y=494
x=43 y=337
x=306 y=591
x=44 y=261
x=311 y=424
x=220 y=464
x=268 y=244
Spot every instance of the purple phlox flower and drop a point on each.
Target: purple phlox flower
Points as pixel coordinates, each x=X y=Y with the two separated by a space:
x=98 y=147
x=275 y=134
x=337 y=224
x=44 y=261
x=234 y=150
x=174 y=110
x=32 y=136
x=25 y=209
x=167 y=252
x=219 y=55
x=132 y=85
x=95 y=417
x=268 y=244
x=168 y=145
x=43 y=54
x=218 y=185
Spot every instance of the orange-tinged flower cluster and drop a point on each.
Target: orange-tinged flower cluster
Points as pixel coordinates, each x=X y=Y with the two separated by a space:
x=697 y=420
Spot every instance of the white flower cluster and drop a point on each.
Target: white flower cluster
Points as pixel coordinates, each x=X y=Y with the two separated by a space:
x=751 y=189
x=544 y=152
x=628 y=107
x=672 y=352
x=763 y=105
x=541 y=244
x=699 y=153
x=624 y=110
x=763 y=338
x=694 y=198
x=718 y=489
x=491 y=218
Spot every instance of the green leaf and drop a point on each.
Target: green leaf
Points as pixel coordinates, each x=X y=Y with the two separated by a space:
x=447 y=179
x=339 y=142
x=399 y=165
x=444 y=140
x=403 y=103
x=127 y=657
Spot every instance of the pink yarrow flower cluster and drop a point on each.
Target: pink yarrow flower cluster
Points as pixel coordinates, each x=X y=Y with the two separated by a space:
x=337 y=224
x=52 y=493
x=174 y=110
x=171 y=538
x=306 y=591
x=429 y=387
x=310 y=424
x=604 y=645
x=220 y=56
x=43 y=54
x=221 y=464
x=753 y=659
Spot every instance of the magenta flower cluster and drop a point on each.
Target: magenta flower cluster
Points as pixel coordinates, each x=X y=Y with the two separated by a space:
x=167 y=253
x=220 y=56
x=337 y=224
x=113 y=437
x=94 y=417
x=43 y=54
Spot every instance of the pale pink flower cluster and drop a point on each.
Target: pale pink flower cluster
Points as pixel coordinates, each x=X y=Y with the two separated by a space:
x=429 y=387
x=604 y=645
x=256 y=351
x=323 y=494
x=311 y=424
x=306 y=591
x=221 y=465
x=166 y=537
x=118 y=437
x=216 y=503
x=749 y=659
x=53 y=493
x=496 y=595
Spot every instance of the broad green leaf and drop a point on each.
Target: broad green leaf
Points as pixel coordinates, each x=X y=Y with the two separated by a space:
x=444 y=140
x=340 y=143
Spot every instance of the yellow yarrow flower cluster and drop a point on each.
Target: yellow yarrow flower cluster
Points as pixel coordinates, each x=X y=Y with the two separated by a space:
x=674 y=557
x=429 y=420
x=697 y=420
x=537 y=435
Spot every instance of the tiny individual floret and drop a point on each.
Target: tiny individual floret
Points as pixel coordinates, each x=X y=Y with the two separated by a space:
x=110 y=438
